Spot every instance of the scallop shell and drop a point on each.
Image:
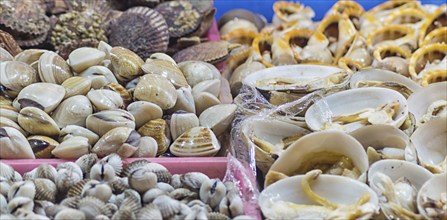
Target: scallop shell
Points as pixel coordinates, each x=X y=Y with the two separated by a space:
x=120 y=140
x=181 y=17
x=53 y=68
x=26 y=18
x=133 y=166
x=45 y=190
x=76 y=86
x=14 y=76
x=72 y=148
x=144 y=112
x=8 y=44
x=42 y=146
x=36 y=121
x=211 y=52
x=155 y=38
x=104 y=121
x=72 y=111
x=85 y=57
x=45 y=96
x=156 y=89
x=157 y=129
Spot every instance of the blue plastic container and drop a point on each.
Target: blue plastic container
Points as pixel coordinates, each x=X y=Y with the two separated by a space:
x=265 y=7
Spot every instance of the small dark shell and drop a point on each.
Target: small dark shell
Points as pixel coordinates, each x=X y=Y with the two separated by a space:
x=8 y=42
x=182 y=18
x=211 y=52
x=23 y=17
x=68 y=47
x=141 y=30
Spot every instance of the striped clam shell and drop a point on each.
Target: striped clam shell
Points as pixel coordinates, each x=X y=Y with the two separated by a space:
x=198 y=141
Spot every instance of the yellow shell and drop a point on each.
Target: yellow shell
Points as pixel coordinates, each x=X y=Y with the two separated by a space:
x=126 y=65
x=394 y=4
x=384 y=51
x=433 y=21
x=298 y=38
x=262 y=44
x=344 y=6
x=283 y=9
x=426 y=54
x=434 y=77
x=329 y=26
x=240 y=36
x=157 y=129
x=350 y=65
x=399 y=35
x=439 y=35
x=406 y=16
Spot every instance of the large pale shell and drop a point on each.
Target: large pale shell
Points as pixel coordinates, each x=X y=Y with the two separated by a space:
x=29 y=56
x=72 y=148
x=435 y=189
x=45 y=96
x=157 y=129
x=218 y=117
x=36 y=121
x=148 y=147
x=42 y=146
x=14 y=145
x=75 y=130
x=76 y=86
x=53 y=68
x=144 y=112
x=166 y=69
x=14 y=76
x=85 y=57
x=198 y=71
x=9 y=112
x=123 y=92
x=198 y=141
x=126 y=65
x=99 y=75
x=73 y=111
x=211 y=86
x=6 y=122
x=156 y=89
x=185 y=100
x=105 y=99
x=121 y=140
x=181 y=122
x=104 y=121
x=204 y=101
x=419 y=102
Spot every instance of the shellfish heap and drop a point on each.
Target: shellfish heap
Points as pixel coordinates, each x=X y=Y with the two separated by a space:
x=103 y=189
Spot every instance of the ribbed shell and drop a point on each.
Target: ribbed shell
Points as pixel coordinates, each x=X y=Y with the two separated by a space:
x=8 y=42
x=26 y=17
x=212 y=52
x=181 y=17
x=76 y=190
x=141 y=30
x=45 y=190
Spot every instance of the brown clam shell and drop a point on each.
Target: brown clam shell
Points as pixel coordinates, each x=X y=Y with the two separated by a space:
x=211 y=52
x=23 y=17
x=8 y=43
x=141 y=30
x=182 y=18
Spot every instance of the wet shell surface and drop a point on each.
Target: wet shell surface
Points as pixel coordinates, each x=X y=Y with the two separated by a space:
x=142 y=30
x=85 y=57
x=198 y=141
x=167 y=69
x=14 y=76
x=156 y=89
x=45 y=96
x=218 y=117
x=144 y=112
x=53 y=68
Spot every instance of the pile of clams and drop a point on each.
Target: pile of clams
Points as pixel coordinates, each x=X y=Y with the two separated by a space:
x=100 y=189
x=109 y=100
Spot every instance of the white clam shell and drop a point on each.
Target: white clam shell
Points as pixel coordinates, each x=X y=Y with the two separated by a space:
x=46 y=96
x=198 y=141
x=434 y=188
x=148 y=147
x=73 y=111
x=166 y=69
x=122 y=140
x=75 y=130
x=15 y=76
x=218 y=117
x=185 y=100
x=198 y=71
x=6 y=122
x=99 y=75
x=211 y=86
x=419 y=101
x=5 y=55
x=144 y=112
x=72 y=148
x=348 y=193
x=53 y=68
x=204 y=101
x=105 y=99
x=36 y=121
x=76 y=86
x=14 y=145
x=85 y=57
x=104 y=121
x=106 y=48
x=29 y=56
x=156 y=89
x=181 y=122
x=352 y=101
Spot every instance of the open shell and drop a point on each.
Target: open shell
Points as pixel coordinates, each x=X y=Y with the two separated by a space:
x=434 y=189
x=400 y=35
x=430 y=57
x=393 y=58
x=439 y=35
x=433 y=21
x=420 y=102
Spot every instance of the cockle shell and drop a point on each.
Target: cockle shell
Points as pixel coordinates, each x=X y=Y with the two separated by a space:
x=104 y=99
x=121 y=140
x=36 y=121
x=45 y=189
x=72 y=148
x=231 y=205
x=144 y=112
x=14 y=76
x=67 y=214
x=14 y=145
x=212 y=192
x=96 y=189
x=218 y=117
x=85 y=57
x=149 y=211
x=92 y=206
x=22 y=189
x=438 y=35
x=42 y=145
x=104 y=121
x=183 y=195
x=45 y=96
x=65 y=179
x=73 y=111
x=76 y=86
x=53 y=68
x=142 y=180
x=157 y=129
x=148 y=147
x=198 y=71
x=7 y=172
x=22 y=202
x=75 y=130
x=167 y=205
x=71 y=166
x=166 y=69
x=115 y=161
x=126 y=65
x=181 y=122
x=156 y=89
x=99 y=76
x=45 y=171
x=198 y=141
x=102 y=171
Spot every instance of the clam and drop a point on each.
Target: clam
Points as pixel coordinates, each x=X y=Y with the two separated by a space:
x=397 y=183
x=14 y=76
x=431 y=198
x=8 y=111
x=14 y=145
x=384 y=79
x=126 y=65
x=142 y=180
x=29 y=56
x=86 y=162
x=123 y=92
x=72 y=148
x=5 y=55
x=353 y=199
x=120 y=140
x=92 y=206
x=393 y=58
x=148 y=147
x=71 y=166
x=96 y=189
x=70 y=214
x=99 y=76
x=102 y=171
x=115 y=161
x=36 y=121
x=184 y=195
x=76 y=86
x=355 y=108
x=106 y=48
x=75 y=130
x=218 y=117
x=85 y=57
x=105 y=99
x=65 y=179
x=20 y=203
x=22 y=189
x=205 y=100
x=185 y=101
x=45 y=96
x=429 y=140
x=240 y=19
x=198 y=71
x=197 y=141
x=181 y=122
x=428 y=102
x=144 y=112
x=6 y=122
x=104 y=121
x=150 y=211
x=73 y=111
x=156 y=89
x=166 y=69
x=157 y=129
x=251 y=65
x=262 y=46
x=53 y=68
x=212 y=192
x=426 y=59
x=210 y=86
x=167 y=206
x=434 y=19
x=42 y=145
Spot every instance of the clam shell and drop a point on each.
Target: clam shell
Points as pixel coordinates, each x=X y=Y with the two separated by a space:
x=422 y=57
x=45 y=190
x=211 y=52
x=104 y=121
x=166 y=69
x=148 y=147
x=65 y=179
x=204 y=101
x=126 y=65
x=45 y=171
x=8 y=45
x=73 y=111
x=115 y=161
x=22 y=189
x=76 y=86
x=142 y=180
x=193 y=180
x=99 y=76
x=181 y=122
x=8 y=111
x=433 y=20
x=218 y=117
x=72 y=148
x=433 y=189
x=198 y=71
x=36 y=121
x=198 y=141
x=134 y=165
x=25 y=204
x=124 y=93
x=157 y=129
x=5 y=55
x=29 y=56
x=183 y=195
x=210 y=86
x=156 y=89
x=45 y=96
x=420 y=101
x=92 y=206
x=96 y=189
x=42 y=146
x=6 y=122
x=14 y=76
x=167 y=205
x=53 y=68
x=121 y=140
x=144 y=112
x=154 y=38
x=185 y=101
x=149 y=211
x=152 y=194
x=103 y=171
x=212 y=192
x=70 y=214
x=105 y=99
x=241 y=14
x=68 y=47
x=181 y=17
x=75 y=130
x=85 y=57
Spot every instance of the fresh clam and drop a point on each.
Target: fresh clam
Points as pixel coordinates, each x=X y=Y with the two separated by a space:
x=105 y=99
x=428 y=103
x=198 y=71
x=204 y=100
x=197 y=141
x=210 y=86
x=45 y=96
x=85 y=57
x=72 y=148
x=76 y=86
x=148 y=147
x=6 y=122
x=99 y=76
x=45 y=189
x=121 y=140
x=166 y=69
x=126 y=65
x=53 y=68
x=72 y=111
x=144 y=112
x=14 y=76
x=36 y=121
x=118 y=88
x=103 y=121
x=96 y=189
x=75 y=130
x=156 y=89
x=182 y=121
x=185 y=101
x=142 y=180
x=42 y=146
x=159 y=130
x=218 y=117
